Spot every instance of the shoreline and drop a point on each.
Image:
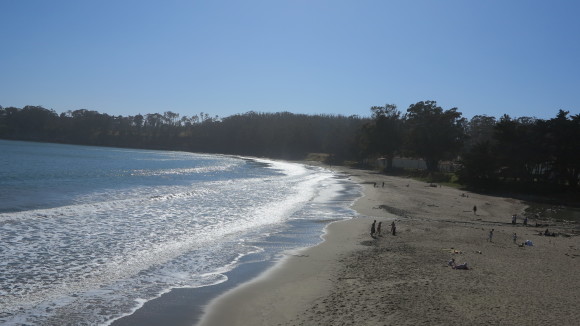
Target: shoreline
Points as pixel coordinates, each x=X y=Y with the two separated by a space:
x=280 y=282
x=185 y=306
x=353 y=279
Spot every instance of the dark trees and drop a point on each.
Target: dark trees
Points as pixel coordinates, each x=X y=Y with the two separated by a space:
x=31 y=122
x=479 y=129
x=434 y=134
x=383 y=135
x=527 y=153
x=517 y=148
x=562 y=144
x=287 y=135
x=277 y=135
x=523 y=152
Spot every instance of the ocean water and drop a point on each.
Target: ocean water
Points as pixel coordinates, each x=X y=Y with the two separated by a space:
x=88 y=234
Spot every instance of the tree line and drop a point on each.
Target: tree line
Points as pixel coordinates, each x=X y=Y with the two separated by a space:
x=277 y=135
x=490 y=152
x=522 y=153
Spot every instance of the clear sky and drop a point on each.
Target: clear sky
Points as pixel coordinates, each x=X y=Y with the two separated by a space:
x=124 y=57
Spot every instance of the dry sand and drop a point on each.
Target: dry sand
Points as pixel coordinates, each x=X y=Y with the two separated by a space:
x=353 y=279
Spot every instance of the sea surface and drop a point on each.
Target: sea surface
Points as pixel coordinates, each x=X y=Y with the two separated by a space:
x=89 y=234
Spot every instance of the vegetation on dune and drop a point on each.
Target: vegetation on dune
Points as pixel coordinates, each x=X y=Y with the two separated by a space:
x=517 y=153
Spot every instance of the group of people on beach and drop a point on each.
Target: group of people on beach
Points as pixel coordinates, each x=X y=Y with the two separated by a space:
x=514 y=222
x=515 y=235
x=375 y=185
x=515 y=219
x=376 y=229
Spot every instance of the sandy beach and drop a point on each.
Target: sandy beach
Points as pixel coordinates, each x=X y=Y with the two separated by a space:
x=404 y=279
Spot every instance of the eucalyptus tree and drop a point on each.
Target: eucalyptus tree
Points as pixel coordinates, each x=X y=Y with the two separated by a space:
x=518 y=147
x=480 y=129
x=563 y=146
x=479 y=165
x=383 y=135
x=434 y=134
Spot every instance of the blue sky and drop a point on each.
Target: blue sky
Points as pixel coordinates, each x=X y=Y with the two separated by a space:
x=122 y=57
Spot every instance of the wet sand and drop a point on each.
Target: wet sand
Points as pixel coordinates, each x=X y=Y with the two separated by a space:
x=353 y=279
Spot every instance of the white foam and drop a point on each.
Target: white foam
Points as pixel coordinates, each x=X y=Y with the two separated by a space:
x=111 y=251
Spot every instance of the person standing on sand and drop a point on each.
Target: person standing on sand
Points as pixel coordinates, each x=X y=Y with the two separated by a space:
x=379 y=229
x=373 y=229
x=490 y=239
x=474 y=210
x=515 y=237
x=393 y=228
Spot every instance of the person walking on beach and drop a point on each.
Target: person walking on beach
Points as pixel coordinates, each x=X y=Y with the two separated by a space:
x=393 y=228
x=474 y=210
x=490 y=239
x=515 y=237
x=379 y=229
x=373 y=229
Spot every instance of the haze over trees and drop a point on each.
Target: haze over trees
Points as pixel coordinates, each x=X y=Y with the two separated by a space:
x=524 y=152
